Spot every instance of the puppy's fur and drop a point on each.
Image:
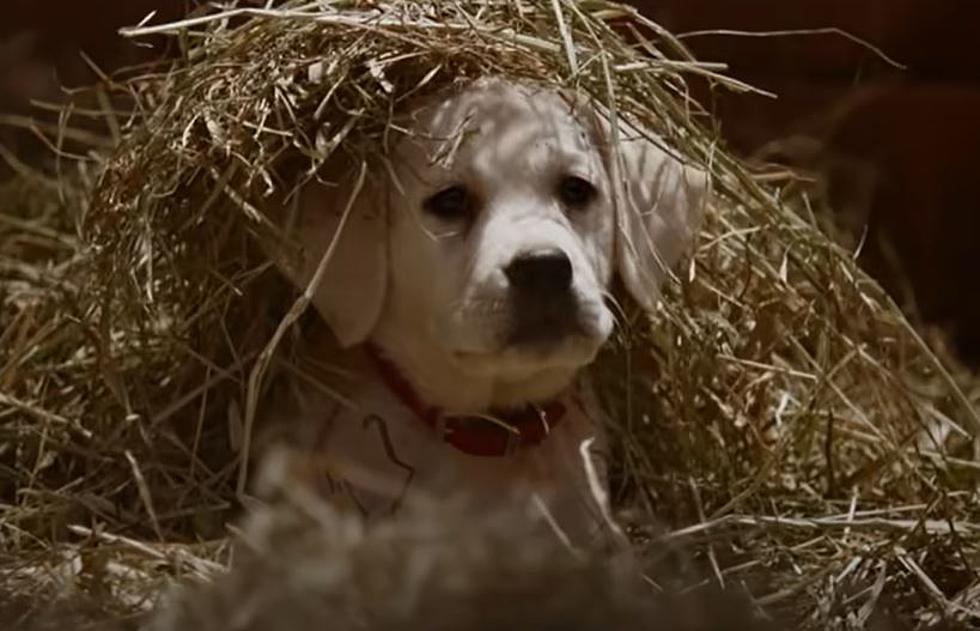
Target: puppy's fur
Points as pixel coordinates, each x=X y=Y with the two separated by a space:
x=478 y=262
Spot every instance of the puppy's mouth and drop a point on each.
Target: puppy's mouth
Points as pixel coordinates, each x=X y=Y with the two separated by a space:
x=553 y=351
x=538 y=326
x=559 y=333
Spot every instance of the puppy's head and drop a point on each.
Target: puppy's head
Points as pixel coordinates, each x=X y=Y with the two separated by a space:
x=494 y=232
x=503 y=241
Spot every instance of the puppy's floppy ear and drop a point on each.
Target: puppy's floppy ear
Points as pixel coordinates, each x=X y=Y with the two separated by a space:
x=659 y=206
x=351 y=291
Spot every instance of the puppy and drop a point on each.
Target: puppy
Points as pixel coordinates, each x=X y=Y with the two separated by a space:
x=471 y=275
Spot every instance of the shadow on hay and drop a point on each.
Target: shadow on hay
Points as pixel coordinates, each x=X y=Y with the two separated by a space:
x=300 y=564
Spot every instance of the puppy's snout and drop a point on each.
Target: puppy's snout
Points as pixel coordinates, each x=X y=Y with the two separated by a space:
x=548 y=271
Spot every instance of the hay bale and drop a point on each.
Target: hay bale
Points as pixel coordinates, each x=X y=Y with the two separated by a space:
x=778 y=413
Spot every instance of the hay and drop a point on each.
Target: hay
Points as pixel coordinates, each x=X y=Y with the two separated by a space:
x=779 y=417
x=441 y=566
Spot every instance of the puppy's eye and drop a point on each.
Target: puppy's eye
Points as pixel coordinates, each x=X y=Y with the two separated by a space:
x=575 y=192
x=450 y=204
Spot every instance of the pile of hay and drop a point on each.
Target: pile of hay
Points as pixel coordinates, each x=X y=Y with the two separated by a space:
x=779 y=418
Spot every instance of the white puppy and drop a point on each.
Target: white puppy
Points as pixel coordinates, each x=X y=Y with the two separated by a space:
x=473 y=273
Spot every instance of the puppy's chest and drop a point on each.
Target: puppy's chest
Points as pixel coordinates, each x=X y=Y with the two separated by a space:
x=376 y=454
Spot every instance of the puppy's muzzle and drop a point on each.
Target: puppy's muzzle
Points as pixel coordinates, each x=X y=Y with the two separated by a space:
x=543 y=302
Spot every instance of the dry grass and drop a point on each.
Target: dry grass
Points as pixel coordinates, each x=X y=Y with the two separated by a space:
x=779 y=417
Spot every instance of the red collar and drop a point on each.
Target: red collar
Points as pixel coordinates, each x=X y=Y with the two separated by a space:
x=499 y=433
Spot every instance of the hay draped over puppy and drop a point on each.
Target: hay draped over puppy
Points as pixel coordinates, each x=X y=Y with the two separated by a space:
x=778 y=411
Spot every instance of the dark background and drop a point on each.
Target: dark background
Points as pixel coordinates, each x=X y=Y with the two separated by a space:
x=899 y=150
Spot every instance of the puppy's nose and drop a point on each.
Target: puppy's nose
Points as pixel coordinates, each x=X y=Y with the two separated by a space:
x=545 y=271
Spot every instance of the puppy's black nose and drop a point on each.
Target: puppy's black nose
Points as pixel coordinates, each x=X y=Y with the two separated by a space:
x=544 y=271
